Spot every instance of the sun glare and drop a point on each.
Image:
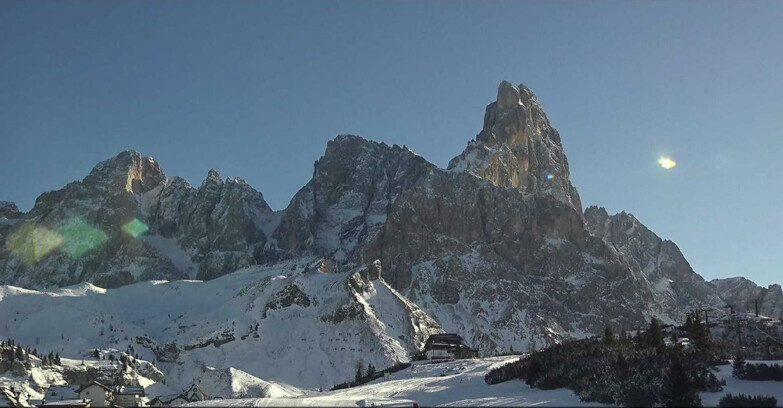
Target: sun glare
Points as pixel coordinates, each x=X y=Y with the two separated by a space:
x=666 y=162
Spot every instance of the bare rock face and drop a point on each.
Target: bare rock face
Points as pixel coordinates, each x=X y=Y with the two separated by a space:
x=519 y=148
x=76 y=234
x=665 y=268
x=345 y=205
x=219 y=226
x=127 y=222
x=743 y=294
x=473 y=250
x=9 y=210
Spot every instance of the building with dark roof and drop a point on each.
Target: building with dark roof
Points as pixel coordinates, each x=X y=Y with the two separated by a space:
x=448 y=346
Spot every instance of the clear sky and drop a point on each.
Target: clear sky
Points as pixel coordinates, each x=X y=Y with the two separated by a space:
x=256 y=89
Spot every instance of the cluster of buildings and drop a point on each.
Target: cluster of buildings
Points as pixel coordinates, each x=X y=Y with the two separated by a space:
x=96 y=394
x=444 y=346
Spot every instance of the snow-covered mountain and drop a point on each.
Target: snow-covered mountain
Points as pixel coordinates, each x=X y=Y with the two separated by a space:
x=288 y=322
x=127 y=222
x=495 y=247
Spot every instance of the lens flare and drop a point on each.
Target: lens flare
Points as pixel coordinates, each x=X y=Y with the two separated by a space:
x=549 y=176
x=31 y=243
x=135 y=228
x=80 y=237
x=666 y=162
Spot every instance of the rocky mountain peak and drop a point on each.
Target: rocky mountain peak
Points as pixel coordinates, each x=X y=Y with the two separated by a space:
x=518 y=148
x=9 y=210
x=660 y=261
x=129 y=170
x=508 y=95
x=213 y=179
x=743 y=294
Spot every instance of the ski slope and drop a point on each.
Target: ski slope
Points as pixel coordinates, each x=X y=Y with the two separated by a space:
x=453 y=383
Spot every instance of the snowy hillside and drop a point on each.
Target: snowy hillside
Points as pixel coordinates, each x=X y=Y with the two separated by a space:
x=461 y=383
x=455 y=383
x=288 y=323
x=36 y=378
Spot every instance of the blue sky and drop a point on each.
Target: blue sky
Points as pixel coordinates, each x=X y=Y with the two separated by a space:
x=256 y=89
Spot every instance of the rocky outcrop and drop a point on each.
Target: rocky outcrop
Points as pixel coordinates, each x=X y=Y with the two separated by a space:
x=743 y=294
x=677 y=287
x=519 y=148
x=345 y=205
x=127 y=222
x=9 y=211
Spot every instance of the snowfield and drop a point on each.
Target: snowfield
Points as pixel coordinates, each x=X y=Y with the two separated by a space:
x=461 y=383
x=453 y=383
x=286 y=323
x=736 y=386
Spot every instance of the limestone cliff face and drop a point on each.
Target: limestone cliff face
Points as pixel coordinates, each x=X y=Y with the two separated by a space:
x=519 y=148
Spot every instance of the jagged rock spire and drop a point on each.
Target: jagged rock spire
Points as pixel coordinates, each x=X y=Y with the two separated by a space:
x=518 y=148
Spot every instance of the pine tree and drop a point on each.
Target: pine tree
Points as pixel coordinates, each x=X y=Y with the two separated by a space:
x=359 y=376
x=370 y=371
x=738 y=368
x=677 y=388
x=655 y=334
x=58 y=362
x=608 y=335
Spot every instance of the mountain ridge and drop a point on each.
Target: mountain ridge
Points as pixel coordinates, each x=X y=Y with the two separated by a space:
x=495 y=246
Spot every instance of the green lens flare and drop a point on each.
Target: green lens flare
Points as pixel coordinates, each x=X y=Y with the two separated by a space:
x=80 y=237
x=31 y=243
x=135 y=228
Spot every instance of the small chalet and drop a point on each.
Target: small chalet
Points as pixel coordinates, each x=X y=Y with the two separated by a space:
x=100 y=395
x=448 y=346
x=196 y=393
x=127 y=396
x=193 y=394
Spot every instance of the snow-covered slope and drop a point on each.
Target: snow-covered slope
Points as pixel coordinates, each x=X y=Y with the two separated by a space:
x=33 y=377
x=736 y=386
x=461 y=383
x=455 y=383
x=287 y=323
